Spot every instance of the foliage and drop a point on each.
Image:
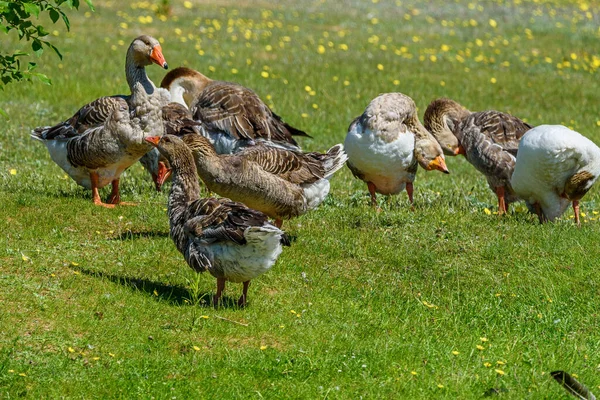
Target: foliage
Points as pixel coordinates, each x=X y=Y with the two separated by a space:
x=17 y=16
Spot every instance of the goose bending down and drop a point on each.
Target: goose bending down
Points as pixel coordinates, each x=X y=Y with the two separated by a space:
x=276 y=181
x=97 y=156
x=94 y=173
x=231 y=114
x=555 y=166
x=385 y=144
x=177 y=121
x=488 y=139
x=229 y=240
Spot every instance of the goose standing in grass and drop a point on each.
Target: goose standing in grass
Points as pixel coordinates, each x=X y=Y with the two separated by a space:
x=91 y=170
x=488 y=139
x=99 y=155
x=385 y=144
x=278 y=182
x=555 y=166
x=229 y=240
x=232 y=115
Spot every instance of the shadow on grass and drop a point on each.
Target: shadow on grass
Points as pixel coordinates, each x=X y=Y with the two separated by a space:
x=173 y=294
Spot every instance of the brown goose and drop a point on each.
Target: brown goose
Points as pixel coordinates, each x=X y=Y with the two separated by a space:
x=232 y=114
x=94 y=173
x=488 y=139
x=279 y=182
x=177 y=121
x=386 y=143
x=229 y=240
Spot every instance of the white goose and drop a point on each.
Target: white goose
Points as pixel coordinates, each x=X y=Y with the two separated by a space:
x=385 y=144
x=555 y=166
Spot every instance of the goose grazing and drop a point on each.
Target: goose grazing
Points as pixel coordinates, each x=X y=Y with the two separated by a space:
x=278 y=182
x=488 y=139
x=229 y=240
x=555 y=166
x=385 y=144
x=177 y=121
x=99 y=155
x=232 y=114
x=143 y=51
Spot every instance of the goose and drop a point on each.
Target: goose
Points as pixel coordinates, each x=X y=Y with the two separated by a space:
x=99 y=155
x=232 y=115
x=177 y=121
x=143 y=50
x=488 y=139
x=229 y=240
x=555 y=166
x=385 y=144
x=279 y=182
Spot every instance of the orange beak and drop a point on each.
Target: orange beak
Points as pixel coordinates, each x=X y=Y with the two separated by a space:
x=459 y=150
x=153 y=140
x=157 y=57
x=163 y=174
x=439 y=164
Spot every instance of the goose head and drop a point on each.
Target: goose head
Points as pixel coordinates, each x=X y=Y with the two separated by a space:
x=429 y=155
x=145 y=50
x=442 y=118
x=185 y=85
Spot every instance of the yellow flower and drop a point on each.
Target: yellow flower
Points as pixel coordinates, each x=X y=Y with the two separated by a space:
x=155 y=292
x=493 y=23
x=204 y=316
x=25 y=258
x=493 y=80
x=445 y=47
x=487 y=211
x=440 y=386
x=499 y=372
x=483 y=339
x=263 y=347
x=14 y=171
x=234 y=70
x=442 y=83
x=487 y=364
x=455 y=352
x=397 y=82
x=196 y=348
x=22 y=374
x=414 y=373
x=264 y=74
x=321 y=49
x=500 y=362
x=71 y=350
x=380 y=67
x=480 y=347
x=187 y=4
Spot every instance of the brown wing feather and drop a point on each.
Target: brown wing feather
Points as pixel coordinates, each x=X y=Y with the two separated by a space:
x=502 y=129
x=239 y=112
x=178 y=120
x=91 y=115
x=295 y=167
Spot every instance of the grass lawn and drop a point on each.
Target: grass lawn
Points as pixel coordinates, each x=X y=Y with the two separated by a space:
x=447 y=301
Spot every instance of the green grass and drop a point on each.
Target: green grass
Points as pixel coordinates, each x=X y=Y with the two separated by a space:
x=97 y=303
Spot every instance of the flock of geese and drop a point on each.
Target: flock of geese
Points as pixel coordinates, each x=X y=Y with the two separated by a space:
x=193 y=127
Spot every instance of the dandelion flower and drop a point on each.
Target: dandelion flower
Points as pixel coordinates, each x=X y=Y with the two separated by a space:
x=380 y=67
x=480 y=347
x=499 y=372
x=264 y=74
x=187 y=4
x=414 y=373
x=487 y=211
x=455 y=352
x=493 y=80
x=493 y=23
x=196 y=348
x=487 y=364
x=263 y=347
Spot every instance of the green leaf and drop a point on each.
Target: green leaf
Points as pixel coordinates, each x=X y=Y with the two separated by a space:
x=55 y=49
x=32 y=8
x=54 y=15
x=90 y=5
x=4 y=114
x=43 y=78
x=36 y=45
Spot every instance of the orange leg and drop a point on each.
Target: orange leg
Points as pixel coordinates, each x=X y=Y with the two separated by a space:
x=114 y=197
x=95 y=194
x=576 y=210
x=371 y=187
x=409 y=191
x=220 y=288
x=242 y=300
x=501 y=203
